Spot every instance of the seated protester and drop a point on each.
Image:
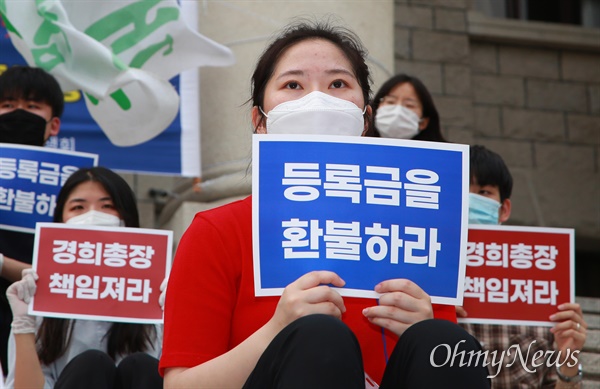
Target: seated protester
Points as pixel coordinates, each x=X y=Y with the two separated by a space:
x=489 y=203
x=312 y=79
x=83 y=353
x=31 y=103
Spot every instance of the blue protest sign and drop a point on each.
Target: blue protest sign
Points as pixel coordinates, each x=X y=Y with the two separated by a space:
x=30 y=179
x=369 y=209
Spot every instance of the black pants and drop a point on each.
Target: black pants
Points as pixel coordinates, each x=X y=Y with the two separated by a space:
x=320 y=351
x=93 y=369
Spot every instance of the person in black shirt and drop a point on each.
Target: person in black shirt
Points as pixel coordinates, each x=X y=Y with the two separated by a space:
x=31 y=103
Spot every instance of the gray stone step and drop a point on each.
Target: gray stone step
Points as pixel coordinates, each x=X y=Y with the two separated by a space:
x=590 y=357
x=592 y=342
x=592 y=320
x=591 y=311
x=591 y=364
x=590 y=384
x=589 y=304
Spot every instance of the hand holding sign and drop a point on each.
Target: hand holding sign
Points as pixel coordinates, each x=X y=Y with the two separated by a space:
x=19 y=295
x=570 y=329
x=309 y=295
x=402 y=304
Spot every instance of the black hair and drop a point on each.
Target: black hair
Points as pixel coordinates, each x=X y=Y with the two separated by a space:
x=54 y=334
x=30 y=83
x=121 y=194
x=488 y=168
x=302 y=30
x=433 y=130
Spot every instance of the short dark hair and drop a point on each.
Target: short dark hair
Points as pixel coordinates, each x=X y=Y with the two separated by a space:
x=433 y=131
x=302 y=30
x=488 y=168
x=30 y=83
x=121 y=194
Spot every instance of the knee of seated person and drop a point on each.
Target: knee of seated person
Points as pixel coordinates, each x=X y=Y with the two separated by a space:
x=322 y=337
x=137 y=359
x=319 y=327
x=93 y=361
x=89 y=366
x=95 y=357
x=320 y=324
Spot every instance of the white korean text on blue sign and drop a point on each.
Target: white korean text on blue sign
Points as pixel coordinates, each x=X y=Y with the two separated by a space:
x=369 y=209
x=30 y=179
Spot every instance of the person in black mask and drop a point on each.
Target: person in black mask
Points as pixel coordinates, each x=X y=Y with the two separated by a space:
x=31 y=103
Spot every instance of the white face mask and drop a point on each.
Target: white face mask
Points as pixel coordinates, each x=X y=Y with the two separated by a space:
x=95 y=218
x=396 y=121
x=316 y=113
x=483 y=210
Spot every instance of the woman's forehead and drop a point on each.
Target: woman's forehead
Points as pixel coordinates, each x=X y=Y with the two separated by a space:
x=308 y=53
x=88 y=188
x=404 y=90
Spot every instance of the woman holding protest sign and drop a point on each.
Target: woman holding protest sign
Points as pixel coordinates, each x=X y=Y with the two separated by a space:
x=403 y=108
x=62 y=353
x=218 y=334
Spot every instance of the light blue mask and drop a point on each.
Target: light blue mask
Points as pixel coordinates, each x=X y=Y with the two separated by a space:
x=483 y=210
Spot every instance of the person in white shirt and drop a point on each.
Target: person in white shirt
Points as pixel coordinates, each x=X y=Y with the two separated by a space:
x=60 y=353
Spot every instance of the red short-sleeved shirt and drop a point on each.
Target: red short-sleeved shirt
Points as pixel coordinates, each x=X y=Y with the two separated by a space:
x=211 y=306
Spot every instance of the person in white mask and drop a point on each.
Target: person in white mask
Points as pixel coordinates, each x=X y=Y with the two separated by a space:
x=319 y=93
x=61 y=353
x=490 y=187
x=403 y=109
x=315 y=113
x=312 y=79
x=489 y=203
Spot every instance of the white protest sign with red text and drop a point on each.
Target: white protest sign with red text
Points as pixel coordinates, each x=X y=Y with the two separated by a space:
x=100 y=273
x=518 y=275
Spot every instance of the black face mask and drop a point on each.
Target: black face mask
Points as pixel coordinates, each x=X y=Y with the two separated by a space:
x=23 y=128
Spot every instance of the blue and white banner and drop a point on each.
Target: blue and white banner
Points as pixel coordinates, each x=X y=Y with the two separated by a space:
x=121 y=55
x=368 y=209
x=30 y=179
